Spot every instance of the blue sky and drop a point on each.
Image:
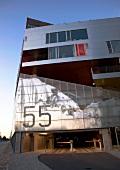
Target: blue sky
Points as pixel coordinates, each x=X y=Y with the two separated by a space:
x=13 y=14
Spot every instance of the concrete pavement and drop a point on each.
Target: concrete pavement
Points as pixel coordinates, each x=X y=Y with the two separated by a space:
x=81 y=158
x=26 y=161
x=4 y=150
x=115 y=153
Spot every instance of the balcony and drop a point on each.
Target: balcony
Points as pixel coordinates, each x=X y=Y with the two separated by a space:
x=35 y=58
x=106 y=72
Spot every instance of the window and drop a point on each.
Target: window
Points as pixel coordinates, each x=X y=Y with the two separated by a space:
x=109 y=47
x=113 y=46
x=61 y=36
x=47 y=38
x=53 y=52
x=66 y=36
x=66 y=51
x=53 y=37
x=80 y=49
x=61 y=52
x=116 y=46
x=25 y=38
x=32 y=26
x=79 y=34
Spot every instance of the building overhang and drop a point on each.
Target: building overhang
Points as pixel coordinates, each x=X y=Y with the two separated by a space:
x=54 y=61
x=71 y=71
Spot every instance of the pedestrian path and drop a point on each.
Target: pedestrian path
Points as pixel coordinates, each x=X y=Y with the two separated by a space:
x=115 y=152
x=26 y=161
x=29 y=160
x=4 y=151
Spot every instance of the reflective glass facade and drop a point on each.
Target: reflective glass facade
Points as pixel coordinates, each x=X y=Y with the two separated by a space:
x=43 y=104
x=63 y=36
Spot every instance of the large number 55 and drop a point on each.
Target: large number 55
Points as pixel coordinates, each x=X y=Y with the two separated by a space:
x=27 y=115
x=45 y=114
x=33 y=116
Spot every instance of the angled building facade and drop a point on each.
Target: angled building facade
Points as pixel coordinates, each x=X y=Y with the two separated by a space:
x=68 y=86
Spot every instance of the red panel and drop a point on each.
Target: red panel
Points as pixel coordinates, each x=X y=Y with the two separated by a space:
x=80 y=49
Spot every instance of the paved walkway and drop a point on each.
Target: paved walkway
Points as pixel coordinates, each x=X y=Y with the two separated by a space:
x=4 y=150
x=115 y=153
x=26 y=161
x=29 y=161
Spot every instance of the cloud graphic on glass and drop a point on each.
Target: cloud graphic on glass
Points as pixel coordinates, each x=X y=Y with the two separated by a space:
x=48 y=104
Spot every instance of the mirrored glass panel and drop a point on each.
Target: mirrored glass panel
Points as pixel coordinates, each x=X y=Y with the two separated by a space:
x=47 y=38
x=109 y=46
x=79 y=34
x=116 y=46
x=53 y=52
x=61 y=36
x=68 y=36
x=66 y=51
x=53 y=37
x=40 y=105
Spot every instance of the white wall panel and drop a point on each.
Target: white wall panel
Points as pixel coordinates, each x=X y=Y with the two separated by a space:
x=99 y=31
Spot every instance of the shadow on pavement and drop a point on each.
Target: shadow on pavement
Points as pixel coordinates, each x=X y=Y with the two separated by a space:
x=81 y=161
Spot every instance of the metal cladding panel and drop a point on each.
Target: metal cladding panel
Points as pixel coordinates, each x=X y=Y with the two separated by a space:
x=99 y=31
x=43 y=104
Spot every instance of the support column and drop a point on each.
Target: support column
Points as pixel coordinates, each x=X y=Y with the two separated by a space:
x=51 y=142
x=106 y=139
x=36 y=141
x=71 y=145
x=26 y=145
x=18 y=142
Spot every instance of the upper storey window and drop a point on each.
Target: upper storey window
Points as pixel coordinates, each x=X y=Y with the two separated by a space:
x=61 y=36
x=113 y=46
x=68 y=35
x=75 y=50
x=66 y=51
x=47 y=38
x=64 y=36
x=53 y=37
x=32 y=26
x=79 y=34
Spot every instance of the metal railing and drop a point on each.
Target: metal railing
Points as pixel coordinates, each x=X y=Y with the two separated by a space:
x=106 y=69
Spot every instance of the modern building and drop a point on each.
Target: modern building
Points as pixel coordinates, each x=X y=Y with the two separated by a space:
x=68 y=86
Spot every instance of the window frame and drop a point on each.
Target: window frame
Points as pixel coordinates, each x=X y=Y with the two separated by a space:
x=79 y=38
x=50 y=37
x=66 y=36
x=111 y=46
x=65 y=46
x=59 y=37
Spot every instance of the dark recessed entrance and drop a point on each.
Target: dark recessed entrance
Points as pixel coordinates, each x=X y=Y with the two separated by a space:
x=80 y=139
